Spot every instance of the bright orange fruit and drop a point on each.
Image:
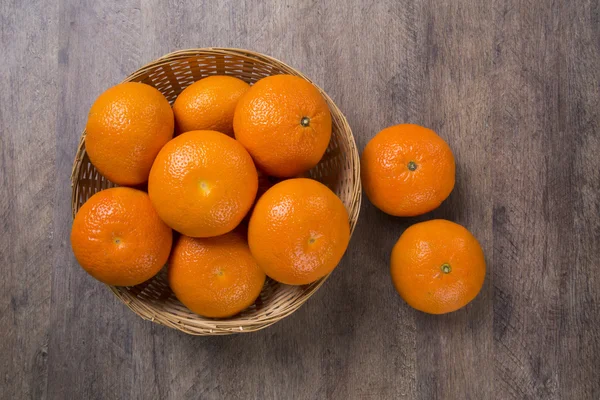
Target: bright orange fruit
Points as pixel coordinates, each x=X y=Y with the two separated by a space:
x=203 y=183
x=407 y=170
x=215 y=277
x=118 y=238
x=298 y=231
x=284 y=123
x=437 y=266
x=209 y=104
x=127 y=126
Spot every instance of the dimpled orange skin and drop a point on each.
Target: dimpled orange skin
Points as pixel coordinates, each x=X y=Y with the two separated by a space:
x=437 y=266
x=209 y=104
x=284 y=123
x=215 y=277
x=203 y=183
x=386 y=173
x=298 y=231
x=118 y=238
x=127 y=126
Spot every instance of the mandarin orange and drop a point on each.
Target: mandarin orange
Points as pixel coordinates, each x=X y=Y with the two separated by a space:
x=127 y=126
x=437 y=266
x=407 y=170
x=203 y=183
x=215 y=277
x=284 y=123
x=298 y=231
x=118 y=238
x=209 y=104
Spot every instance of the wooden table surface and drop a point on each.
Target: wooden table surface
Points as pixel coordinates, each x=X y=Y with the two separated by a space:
x=512 y=85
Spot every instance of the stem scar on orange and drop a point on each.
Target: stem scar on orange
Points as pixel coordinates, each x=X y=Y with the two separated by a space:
x=407 y=170
x=437 y=266
x=284 y=123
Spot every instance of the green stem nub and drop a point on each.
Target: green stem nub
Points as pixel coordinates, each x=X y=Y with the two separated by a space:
x=412 y=165
x=305 y=121
x=446 y=268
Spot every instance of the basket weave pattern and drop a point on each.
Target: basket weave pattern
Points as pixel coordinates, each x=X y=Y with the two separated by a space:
x=339 y=170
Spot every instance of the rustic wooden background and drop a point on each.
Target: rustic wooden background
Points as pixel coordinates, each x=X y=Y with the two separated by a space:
x=514 y=87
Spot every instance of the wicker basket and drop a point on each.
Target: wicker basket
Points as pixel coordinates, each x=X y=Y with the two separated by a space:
x=339 y=169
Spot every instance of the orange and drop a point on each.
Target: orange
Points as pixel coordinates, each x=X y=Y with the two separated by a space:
x=407 y=170
x=203 y=183
x=437 y=266
x=298 y=231
x=126 y=128
x=118 y=238
x=208 y=104
x=215 y=277
x=285 y=124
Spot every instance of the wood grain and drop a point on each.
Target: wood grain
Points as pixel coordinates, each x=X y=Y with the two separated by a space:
x=512 y=85
x=27 y=177
x=527 y=199
x=576 y=205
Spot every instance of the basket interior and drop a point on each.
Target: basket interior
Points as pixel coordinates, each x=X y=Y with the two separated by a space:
x=338 y=169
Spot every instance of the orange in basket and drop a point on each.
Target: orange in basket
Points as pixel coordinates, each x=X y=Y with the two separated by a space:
x=118 y=238
x=203 y=183
x=215 y=277
x=298 y=231
x=285 y=124
x=126 y=128
x=209 y=104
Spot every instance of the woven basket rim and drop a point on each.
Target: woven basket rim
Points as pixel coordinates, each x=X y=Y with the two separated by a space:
x=206 y=326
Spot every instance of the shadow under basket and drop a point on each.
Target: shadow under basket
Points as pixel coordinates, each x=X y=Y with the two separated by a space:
x=339 y=170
